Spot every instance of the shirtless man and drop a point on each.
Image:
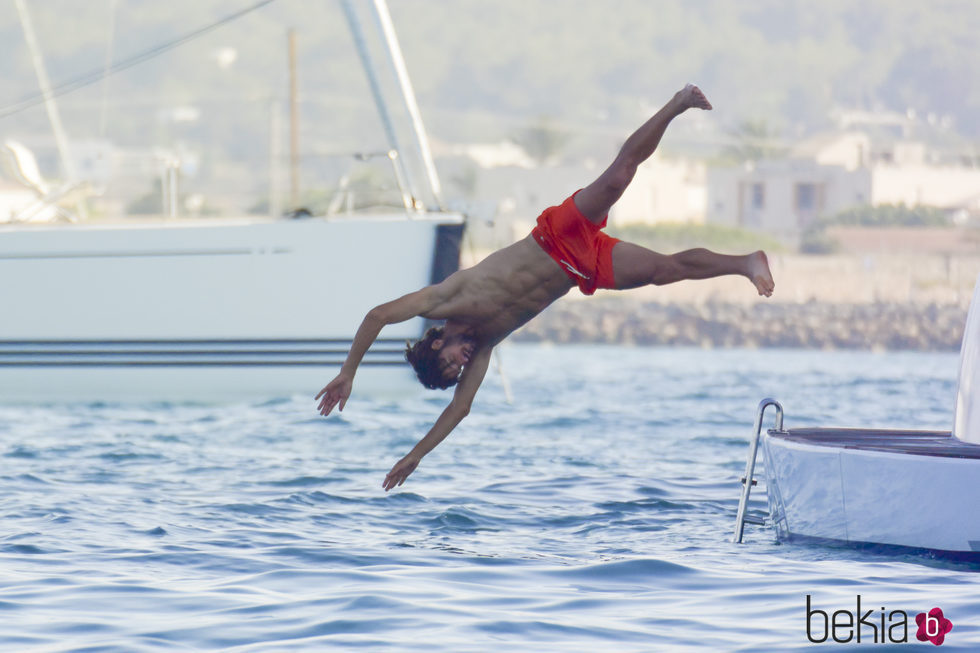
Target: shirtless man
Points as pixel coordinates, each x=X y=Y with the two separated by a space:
x=484 y=304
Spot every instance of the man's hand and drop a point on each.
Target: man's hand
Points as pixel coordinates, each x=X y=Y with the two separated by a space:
x=400 y=471
x=336 y=391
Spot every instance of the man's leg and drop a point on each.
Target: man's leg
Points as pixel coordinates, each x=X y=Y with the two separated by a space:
x=635 y=266
x=595 y=200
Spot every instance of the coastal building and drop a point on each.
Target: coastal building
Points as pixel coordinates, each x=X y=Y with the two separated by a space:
x=504 y=189
x=507 y=200
x=829 y=174
x=954 y=188
x=664 y=190
x=783 y=197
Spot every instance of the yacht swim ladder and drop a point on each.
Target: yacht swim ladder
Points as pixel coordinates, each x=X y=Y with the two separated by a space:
x=747 y=481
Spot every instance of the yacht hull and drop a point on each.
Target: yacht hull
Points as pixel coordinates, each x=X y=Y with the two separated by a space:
x=916 y=489
x=207 y=310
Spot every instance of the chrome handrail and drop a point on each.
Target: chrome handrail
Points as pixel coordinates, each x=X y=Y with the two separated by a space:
x=747 y=480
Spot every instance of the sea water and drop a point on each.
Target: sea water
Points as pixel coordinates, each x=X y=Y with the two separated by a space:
x=593 y=513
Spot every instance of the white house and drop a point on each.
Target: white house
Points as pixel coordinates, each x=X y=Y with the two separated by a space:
x=850 y=150
x=946 y=187
x=829 y=174
x=783 y=197
x=664 y=190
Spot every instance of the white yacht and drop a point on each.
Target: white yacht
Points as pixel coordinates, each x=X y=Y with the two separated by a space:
x=907 y=488
x=205 y=311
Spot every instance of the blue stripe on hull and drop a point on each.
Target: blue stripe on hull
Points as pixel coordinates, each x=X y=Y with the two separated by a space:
x=197 y=353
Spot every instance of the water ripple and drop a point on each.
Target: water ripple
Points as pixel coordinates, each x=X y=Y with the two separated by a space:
x=593 y=514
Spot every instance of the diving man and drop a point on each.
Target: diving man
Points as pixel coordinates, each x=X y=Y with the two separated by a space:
x=484 y=304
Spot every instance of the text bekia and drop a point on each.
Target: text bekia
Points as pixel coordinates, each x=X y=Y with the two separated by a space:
x=881 y=627
x=843 y=626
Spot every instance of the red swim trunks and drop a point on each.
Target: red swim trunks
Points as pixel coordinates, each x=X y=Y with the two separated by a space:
x=579 y=246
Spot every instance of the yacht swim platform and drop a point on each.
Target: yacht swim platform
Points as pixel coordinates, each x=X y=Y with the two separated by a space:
x=920 y=443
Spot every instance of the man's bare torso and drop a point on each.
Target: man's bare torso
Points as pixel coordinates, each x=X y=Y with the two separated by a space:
x=502 y=292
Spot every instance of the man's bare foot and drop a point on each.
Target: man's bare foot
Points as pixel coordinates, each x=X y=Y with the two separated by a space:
x=758 y=273
x=691 y=97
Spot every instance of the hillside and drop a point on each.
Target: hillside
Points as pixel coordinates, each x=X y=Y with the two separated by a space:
x=485 y=69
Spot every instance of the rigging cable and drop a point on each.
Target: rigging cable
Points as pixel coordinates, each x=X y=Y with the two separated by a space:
x=97 y=75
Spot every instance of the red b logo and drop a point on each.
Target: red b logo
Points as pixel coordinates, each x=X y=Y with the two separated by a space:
x=933 y=626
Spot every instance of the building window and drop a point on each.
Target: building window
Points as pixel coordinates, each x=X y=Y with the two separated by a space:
x=806 y=197
x=758 y=196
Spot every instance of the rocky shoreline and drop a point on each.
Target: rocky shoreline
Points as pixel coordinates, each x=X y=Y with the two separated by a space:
x=880 y=326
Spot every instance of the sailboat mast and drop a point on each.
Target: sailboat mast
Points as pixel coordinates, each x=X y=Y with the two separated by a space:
x=408 y=96
x=61 y=140
x=405 y=184
x=293 y=124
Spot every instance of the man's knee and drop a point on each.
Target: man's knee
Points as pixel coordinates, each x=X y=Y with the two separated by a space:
x=665 y=268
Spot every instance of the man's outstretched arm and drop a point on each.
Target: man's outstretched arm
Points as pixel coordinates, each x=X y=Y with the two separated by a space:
x=473 y=375
x=421 y=302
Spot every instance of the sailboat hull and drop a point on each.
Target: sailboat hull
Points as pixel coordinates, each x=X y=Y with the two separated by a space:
x=221 y=309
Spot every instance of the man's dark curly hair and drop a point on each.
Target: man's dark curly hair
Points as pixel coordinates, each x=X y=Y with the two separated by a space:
x=425 y=360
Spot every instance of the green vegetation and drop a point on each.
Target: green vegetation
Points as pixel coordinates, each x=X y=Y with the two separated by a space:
x=890 y=215
x=816 y=240
x=669 y=237
x=542 y=140
x=152 y=203
x=752 y=140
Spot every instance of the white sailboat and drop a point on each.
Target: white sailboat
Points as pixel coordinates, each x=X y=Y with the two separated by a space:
x=224 y=309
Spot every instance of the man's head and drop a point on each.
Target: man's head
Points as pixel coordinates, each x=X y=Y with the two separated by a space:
x=438 y=358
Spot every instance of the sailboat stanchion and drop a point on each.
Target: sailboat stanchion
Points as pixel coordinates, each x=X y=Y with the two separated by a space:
x=747 y=480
